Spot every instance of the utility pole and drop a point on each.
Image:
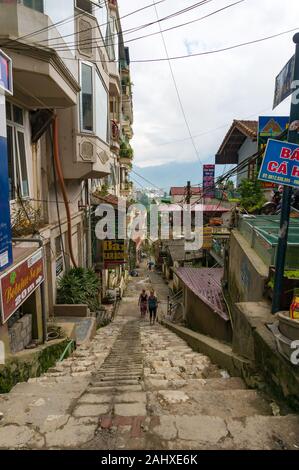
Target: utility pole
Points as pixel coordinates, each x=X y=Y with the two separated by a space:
x=188 y=192
x=293 y=137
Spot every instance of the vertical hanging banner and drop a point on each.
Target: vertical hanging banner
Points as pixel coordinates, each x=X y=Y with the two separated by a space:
x=5 y=224
x=283 y=83
x=209 y=181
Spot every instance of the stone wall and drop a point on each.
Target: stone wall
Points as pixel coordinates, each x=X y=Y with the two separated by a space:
x=247 y=274
x=20 y=334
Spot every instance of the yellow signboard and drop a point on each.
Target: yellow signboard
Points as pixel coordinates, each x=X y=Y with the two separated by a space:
x=114 y=252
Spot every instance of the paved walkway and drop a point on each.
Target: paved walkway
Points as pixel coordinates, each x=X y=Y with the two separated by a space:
x=140 y=387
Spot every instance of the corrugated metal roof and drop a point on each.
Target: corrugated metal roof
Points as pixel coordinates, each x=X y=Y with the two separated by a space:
x=205 y=283
x=181 y=191
x=195 y=207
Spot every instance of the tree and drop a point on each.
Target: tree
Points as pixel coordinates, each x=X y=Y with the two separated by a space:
x=252 y=196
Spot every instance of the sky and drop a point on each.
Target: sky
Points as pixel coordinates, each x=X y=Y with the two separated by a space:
x=214 y=89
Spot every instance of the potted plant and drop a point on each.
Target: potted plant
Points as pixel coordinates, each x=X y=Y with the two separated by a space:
x=81 y=287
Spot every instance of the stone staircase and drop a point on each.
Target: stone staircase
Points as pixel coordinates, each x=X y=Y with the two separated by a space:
x=141 y=387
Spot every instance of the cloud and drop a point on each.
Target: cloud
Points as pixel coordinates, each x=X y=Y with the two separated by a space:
x=214 y=89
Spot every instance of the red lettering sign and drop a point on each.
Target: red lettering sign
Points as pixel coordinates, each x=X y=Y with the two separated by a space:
x=19 y=283
x=295 y=171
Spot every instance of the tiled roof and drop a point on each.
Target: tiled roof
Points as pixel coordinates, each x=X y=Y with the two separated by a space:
x=181 y=191
x=205 y=283
x=234 y=139
x=108 y=199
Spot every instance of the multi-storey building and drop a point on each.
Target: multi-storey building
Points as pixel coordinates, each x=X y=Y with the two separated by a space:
x=68 y=130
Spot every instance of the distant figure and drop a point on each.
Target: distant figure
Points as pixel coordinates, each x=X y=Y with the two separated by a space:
x=151 y=264
x=143 y=299
x=152 y=307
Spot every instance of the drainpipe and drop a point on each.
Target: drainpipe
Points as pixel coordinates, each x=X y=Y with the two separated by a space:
x=42 y=286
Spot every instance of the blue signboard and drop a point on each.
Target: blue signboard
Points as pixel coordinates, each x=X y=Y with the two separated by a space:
x=281 y=163
x=5 y=73
x=272 y=126
x=5 y=227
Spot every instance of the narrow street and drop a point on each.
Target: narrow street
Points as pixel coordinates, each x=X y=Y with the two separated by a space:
x=140 y=387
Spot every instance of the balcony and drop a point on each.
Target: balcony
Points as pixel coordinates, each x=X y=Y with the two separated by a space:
x=114 y=136
x=112 y=4
x=42 y=79
x=83 y=155
x=127 y=126
x=126 y=189
x=126 y=154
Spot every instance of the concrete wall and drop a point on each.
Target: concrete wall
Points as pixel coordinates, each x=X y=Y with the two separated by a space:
x=200 y=317
x=248 y=148
x=247 y=273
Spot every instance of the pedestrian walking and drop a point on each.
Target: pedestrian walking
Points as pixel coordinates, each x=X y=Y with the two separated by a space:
x=142 y=302
x=152 y=307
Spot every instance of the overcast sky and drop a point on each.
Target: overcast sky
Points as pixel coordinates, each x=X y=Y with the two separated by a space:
x=215 y=89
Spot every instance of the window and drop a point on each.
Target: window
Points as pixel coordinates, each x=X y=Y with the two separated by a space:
x=85 y=5
x=16 y=150
x=37 y=5
x=102 y=110
x=86 y=98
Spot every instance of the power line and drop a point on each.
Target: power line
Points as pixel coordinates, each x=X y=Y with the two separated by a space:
x=137 y=28
x=88 y=43
x=189 y=55
x=73 y=17
x=148 y=181
x=224 y=49
x=176 y=87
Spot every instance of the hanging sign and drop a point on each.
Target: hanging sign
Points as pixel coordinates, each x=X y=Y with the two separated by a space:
x=18 y=283
x=281 y=163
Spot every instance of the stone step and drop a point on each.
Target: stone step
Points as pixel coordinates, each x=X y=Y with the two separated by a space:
x=115 y=388
x=232 y=383
x=116 y=382
x=221 y=403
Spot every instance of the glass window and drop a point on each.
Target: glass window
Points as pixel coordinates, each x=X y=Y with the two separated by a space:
x=22 y=162
x=102 y=110
x=16 y=150
x=11 y=167
x=8 y=111
x=37 y=5
x=18 y=115
x=86 y=98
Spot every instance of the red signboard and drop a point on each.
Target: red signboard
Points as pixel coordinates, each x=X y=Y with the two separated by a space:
x=19 y=283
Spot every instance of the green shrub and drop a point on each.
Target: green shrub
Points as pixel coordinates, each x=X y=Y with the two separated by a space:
x=79 y=286
x=252 y=195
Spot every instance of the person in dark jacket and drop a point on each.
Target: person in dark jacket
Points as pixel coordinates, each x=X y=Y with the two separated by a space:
x=143 y=298
x=152 y=307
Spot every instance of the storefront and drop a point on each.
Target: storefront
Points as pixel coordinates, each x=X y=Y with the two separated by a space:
x=21 y=265
x=21 y=301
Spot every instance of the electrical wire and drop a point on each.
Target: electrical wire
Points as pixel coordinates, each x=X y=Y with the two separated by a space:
x=88 y=43
x=130 y=30
x=176 y=88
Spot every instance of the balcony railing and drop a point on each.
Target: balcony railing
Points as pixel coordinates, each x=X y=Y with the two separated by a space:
x=115 y=134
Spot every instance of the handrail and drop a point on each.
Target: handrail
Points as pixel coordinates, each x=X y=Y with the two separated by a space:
x=66 y=350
